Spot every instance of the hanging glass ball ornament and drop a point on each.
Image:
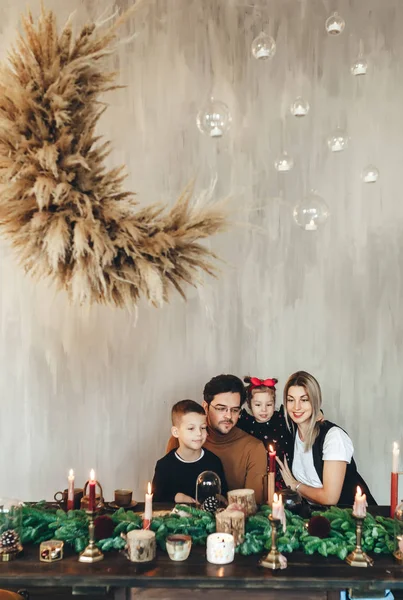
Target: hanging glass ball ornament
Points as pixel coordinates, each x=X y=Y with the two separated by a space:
x=337 y=141
x=283 y=163
x=359 y=67
x=335 y=24
x=214 y=119
x=300 y=107
x=311 y=212
x=370 y=174
x=263 y=46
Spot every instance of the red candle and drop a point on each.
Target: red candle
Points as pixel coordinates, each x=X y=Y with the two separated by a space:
x=92 y=487
x=70 y=490
x=394 y=480
x=272 y=460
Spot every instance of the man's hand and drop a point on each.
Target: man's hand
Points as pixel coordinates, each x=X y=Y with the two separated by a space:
x=183 y=498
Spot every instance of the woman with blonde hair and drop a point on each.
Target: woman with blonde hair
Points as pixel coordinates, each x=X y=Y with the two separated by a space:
x=323 y=469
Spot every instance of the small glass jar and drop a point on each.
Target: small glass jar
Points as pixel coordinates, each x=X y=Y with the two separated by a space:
x=208 y=490
x=398 y=519
x=10 y=528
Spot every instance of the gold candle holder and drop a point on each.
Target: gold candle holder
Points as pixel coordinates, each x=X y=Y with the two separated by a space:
x=358 y=558
x=273 y=560
x=91 y=554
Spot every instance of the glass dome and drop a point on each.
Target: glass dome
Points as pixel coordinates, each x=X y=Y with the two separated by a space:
x=208 y=490
x=214 y=119
x=10 y=528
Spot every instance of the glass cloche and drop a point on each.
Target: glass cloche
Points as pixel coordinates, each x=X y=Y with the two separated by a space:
x=208 y=490
x=10 y=528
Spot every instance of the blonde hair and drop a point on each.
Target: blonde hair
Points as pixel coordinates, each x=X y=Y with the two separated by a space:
x=313 y=391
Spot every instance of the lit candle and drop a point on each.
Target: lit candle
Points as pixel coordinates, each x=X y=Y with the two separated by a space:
x=311 y=226
x=394 y=479
x=272 y=460
x=395 y=460
x=92 y=487
x=70 y=490
x=360 y=504
x=278 y=510
x=148 y=508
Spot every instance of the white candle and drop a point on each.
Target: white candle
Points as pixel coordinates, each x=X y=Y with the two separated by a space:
x=395 y=461
x=360 y=504
x=311 y=226
x=278 y=510
x=148 y=509
x=70 y=490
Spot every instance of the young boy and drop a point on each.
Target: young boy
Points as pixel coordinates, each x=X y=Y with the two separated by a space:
x=176 y=473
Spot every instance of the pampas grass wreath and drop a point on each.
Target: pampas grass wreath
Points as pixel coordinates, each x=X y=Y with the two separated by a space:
x=66 y=214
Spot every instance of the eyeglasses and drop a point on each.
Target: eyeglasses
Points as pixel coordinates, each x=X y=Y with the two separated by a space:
x=223 y=409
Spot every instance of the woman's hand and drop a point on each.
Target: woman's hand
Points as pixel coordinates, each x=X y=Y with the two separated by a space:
x=286 y=474
x=183 y=498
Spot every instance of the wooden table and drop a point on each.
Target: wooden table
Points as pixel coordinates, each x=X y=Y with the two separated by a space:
x=307 y=577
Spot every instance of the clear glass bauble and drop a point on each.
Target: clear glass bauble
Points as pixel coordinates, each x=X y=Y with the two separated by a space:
x=398 y=533
x=300 y=107
x=337 y=141
x=311 y=212
x=335 y=24
x=359 y=66
x=214 y=119
x=283 y=163
x=263 y=46
x=208 y=490
x=370 y=174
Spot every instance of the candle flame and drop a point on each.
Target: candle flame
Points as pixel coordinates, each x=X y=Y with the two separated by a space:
x=271 y=448
x=275 y=497
x=92 y=475
x=395 y=447
x=359 y=491
x=149 y=488
x=71 y=473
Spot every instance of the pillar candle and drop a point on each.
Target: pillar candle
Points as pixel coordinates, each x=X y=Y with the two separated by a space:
x=360 y=503
x=394 y=480
x=278 y=510
x=148 y=508
x=92 y=486
x=70 y=490
x=272 y=460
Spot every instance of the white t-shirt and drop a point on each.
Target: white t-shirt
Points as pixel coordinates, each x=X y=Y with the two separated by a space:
x=337 y=446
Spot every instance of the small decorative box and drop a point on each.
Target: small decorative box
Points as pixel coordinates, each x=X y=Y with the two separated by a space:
x=51 y=551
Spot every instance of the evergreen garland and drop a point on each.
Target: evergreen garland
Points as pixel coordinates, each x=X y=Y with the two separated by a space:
x=41 y=524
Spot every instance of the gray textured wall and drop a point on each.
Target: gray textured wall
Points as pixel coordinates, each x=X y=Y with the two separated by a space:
x=93 y=388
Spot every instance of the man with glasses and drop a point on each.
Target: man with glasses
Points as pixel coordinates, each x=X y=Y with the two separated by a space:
x=243 y=457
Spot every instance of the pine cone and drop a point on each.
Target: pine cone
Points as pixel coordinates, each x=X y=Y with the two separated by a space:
x=210 y=504
x=9 y=541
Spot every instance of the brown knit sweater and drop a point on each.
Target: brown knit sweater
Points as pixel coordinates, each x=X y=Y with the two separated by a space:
x=243 y=457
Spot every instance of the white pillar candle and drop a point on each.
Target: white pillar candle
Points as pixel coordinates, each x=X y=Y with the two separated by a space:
x=70 y=490
x=360 y=504
x=278 y=511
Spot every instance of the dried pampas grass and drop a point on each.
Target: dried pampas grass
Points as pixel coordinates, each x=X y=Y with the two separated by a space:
x=66 y=214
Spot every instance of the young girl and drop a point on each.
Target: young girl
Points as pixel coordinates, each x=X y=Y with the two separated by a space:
x=265 y=423
x=322 y=468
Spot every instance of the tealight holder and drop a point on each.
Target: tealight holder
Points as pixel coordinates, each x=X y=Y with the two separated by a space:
x=358 y=558
x=51 y=551
x=274 y=559
x=91 y=554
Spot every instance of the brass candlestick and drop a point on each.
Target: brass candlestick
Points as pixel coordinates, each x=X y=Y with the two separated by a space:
x=91 y=554
x=274 y=560
x=358 y=558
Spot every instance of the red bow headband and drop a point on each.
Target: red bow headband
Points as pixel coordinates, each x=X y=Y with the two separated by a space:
x=256 y=382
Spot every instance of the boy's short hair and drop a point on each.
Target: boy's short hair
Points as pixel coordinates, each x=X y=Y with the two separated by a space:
x=222 y=384
x=185 y=407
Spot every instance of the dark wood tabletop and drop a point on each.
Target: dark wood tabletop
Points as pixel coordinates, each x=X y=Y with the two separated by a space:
x=303 y=572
